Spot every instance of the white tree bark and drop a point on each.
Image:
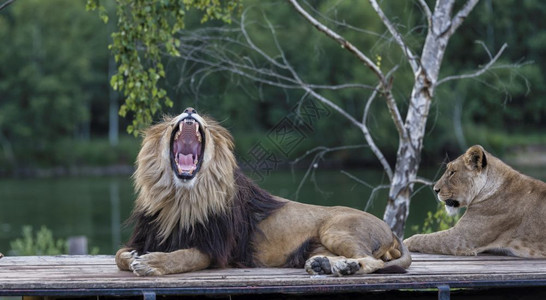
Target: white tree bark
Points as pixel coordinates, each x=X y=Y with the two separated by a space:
x=441 y=27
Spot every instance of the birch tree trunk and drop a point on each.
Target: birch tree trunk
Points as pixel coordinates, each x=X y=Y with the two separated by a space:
x=441 y=28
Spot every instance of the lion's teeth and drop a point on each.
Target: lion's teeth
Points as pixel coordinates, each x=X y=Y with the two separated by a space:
x=197 y=134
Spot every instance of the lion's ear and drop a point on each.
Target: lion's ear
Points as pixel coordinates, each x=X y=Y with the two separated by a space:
x=475 y=159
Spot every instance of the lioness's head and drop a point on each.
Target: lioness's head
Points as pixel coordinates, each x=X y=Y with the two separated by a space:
x=463 y=179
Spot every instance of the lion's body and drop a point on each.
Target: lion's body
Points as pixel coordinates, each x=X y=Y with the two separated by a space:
x=506 y=210
x=220 y=218
x=331 y=231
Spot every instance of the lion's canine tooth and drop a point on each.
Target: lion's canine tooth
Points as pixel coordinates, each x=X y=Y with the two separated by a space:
x=197 y=134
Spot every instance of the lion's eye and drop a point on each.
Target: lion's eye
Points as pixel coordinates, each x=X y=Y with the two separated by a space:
x=451 y=173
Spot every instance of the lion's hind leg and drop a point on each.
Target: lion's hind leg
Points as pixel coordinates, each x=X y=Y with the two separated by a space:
x=353 y=243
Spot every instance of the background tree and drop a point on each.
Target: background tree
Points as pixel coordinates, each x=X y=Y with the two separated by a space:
x=50 y=71
x=275 y=68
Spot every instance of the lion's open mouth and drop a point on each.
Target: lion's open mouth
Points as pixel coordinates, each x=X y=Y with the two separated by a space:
x=452 y=203
x=187 y=145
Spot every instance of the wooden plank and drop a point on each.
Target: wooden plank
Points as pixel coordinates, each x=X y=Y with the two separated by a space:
x=99 y=272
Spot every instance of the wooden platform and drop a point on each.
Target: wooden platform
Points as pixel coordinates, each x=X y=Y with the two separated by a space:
x=98 y=275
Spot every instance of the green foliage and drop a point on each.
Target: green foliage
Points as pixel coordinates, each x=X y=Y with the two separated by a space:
x=146 y=31
x=94 y=152
x=437 y=221
x=51 y=68
x=42 y=243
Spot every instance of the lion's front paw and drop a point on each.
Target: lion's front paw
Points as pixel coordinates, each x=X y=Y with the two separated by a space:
x=151 y=264
x=318 y=265
x=128 y=255
x=125 y=258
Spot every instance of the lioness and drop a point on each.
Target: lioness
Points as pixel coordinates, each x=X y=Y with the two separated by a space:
x=506 y=210
x=195 y=209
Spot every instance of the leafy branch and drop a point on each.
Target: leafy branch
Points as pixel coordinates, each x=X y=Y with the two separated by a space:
x=145 y=29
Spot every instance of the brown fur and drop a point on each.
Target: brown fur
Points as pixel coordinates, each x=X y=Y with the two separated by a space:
x=506 y=210
x=221 y=218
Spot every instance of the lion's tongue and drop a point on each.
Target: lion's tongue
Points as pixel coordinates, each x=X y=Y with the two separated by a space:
x=185 y=161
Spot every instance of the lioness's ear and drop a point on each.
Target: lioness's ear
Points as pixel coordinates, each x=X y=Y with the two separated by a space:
x=475 y=159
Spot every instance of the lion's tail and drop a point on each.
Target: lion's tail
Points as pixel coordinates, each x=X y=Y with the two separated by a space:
x=400 y=264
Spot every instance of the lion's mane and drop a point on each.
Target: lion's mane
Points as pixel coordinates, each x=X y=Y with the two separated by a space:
x=216 y=213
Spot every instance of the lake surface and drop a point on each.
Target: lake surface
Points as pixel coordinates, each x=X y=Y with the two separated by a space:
x=96 y=207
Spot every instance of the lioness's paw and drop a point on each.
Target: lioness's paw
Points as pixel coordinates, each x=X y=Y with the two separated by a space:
x=318 y=265
x=345 y=267
x=150 y=264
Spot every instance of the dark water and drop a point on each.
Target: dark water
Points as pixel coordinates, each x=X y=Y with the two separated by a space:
x=97 y=207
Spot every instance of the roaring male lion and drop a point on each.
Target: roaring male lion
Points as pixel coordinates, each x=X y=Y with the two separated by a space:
x=195 y=209
x=506 y=210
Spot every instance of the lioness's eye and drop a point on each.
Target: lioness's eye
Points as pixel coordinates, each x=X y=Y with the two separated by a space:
x=451 y=172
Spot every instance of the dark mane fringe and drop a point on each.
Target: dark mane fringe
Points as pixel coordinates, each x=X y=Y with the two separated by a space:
x=226 y=238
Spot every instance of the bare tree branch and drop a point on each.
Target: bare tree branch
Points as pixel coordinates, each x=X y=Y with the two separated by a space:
x=195 y=48
x=253 y=46
x=363 y=127
x=320 y=152
x=461 y=15
x=368 y=105
x=343 y=23
x=385 y=82
x=422 y=181
x=367 y=134
x=372 y=97
x=412 y=60
x=222 y=59
x=476 y=73
x=375 y=189
x=338 y=38
x=5 y=4
x=426 y=10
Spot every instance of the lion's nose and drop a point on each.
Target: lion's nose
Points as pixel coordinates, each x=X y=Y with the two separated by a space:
x=436 y=190
x=190 y=110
